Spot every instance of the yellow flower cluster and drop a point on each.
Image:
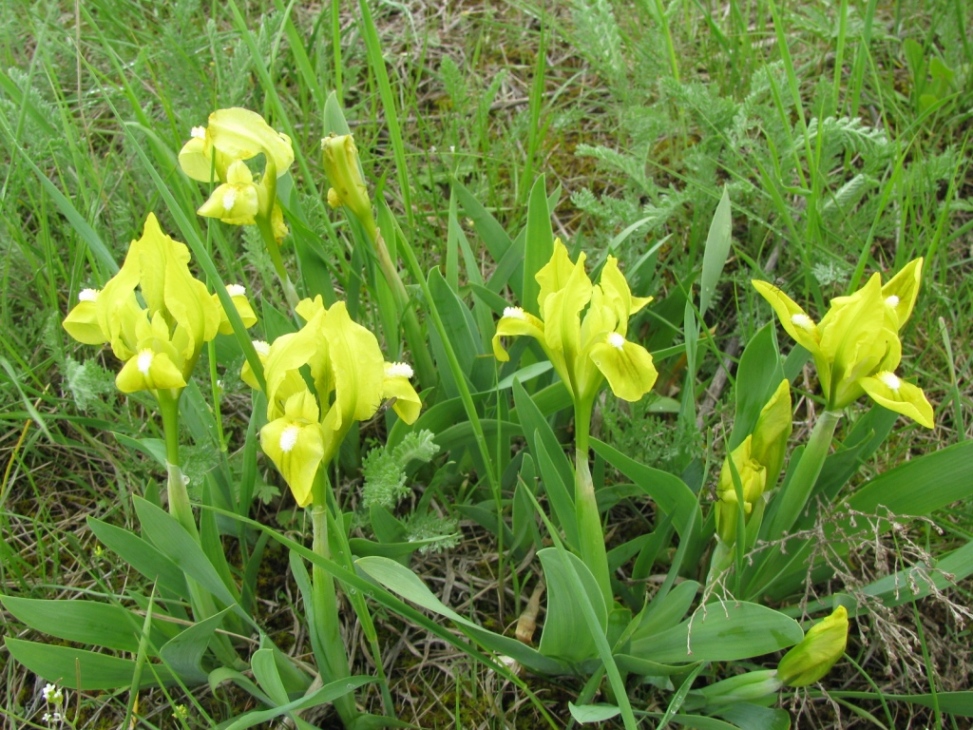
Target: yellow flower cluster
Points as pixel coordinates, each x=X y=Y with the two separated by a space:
x=349 y=380
x=856 y=346
x=159 y=337
x=219 y=152
x=584 y=351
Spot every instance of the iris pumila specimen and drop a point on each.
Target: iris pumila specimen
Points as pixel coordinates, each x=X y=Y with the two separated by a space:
x=350 y=381
x=856 y=350
x=156 y=316
x=222 y=152
x=583 y=330
x=320 y=380
x=856 y=346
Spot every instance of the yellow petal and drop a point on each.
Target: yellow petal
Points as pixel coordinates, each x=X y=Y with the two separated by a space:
x=358 y=366
x=627 y=366
x=236 y=201
x=246 y=373
x=149 y=370
x=773 y=428
x=618 y=296
x=82 y=321
x=242 y=134
x=343 y=168
x=238 y=295
x=396 y=385
x=890 y=391
x=792 y=318
x=901 y=291
x=554 y=275
x=295 y=443
x=514 y=323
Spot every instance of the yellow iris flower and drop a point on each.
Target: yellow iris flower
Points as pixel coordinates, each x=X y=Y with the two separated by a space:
x=856 y=346
x=583 y=328
x=218 y=152
x=350 y=380
x=161 y=340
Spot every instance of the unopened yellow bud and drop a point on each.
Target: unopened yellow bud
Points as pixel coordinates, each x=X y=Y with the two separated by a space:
x=343 y=168
x=818 y=651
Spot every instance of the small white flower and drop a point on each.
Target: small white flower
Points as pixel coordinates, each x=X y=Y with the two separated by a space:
x=236 y=290
x=892 y=301
x=53 y=695
x=198 y=132
x=87 y=295
x=513 y=312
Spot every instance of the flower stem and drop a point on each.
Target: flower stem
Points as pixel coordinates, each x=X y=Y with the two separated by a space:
x=590 y=533
x=333 y=657
x=267 y=233
x=789 y=503
x=179 y=506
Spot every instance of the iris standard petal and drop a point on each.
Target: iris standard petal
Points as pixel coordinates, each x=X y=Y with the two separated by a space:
x=358 y=366
x=242 y=134
x=902 y=290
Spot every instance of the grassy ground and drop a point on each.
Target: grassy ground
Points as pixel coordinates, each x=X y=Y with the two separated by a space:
x=637 y=113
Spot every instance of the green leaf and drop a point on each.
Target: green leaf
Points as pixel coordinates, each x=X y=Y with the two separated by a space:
x=165 y=532
x=669 y=492
x=553 y=466
x=84 y=622
x=662 y=614
x=328 y=693
x=758 y=376
x=82 y=669
x=183 y=654
x=399 y=579
x=490 y=231
x=755 y=717
x=953 y=703
x=461 y=331
x=567 y=635
x=593 y=713
x=142 y=556
x=921 y=485
x=538 y=244
x=721 y=632
x=717 y=249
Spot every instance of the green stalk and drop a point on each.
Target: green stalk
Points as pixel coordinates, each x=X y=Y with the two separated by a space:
x=267 y=233
x=361 y=610
x=793 y=496
x=202 y=601
x=594 y=554
x=333 y=662
x=425 y=368
x=179 y=506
